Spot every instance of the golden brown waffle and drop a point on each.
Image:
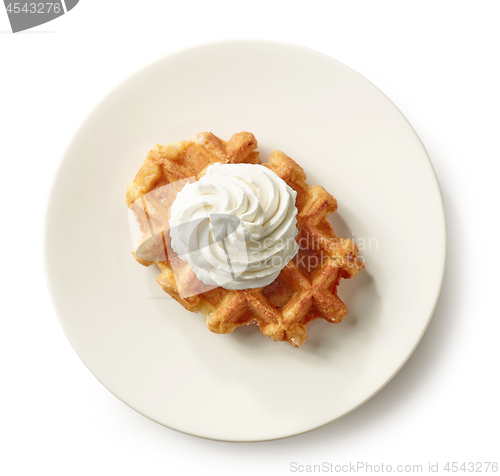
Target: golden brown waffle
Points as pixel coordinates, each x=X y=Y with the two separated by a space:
x=306 y=288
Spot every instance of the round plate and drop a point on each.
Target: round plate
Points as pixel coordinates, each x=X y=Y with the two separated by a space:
x=160 y=359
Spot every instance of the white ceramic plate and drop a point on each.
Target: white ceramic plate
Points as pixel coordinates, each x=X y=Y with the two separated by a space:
x=160 y=359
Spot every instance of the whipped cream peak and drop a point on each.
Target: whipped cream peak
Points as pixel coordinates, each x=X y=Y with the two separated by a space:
x=236 y=226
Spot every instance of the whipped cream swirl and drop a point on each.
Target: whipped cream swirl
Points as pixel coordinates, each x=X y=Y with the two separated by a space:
x=236 y=226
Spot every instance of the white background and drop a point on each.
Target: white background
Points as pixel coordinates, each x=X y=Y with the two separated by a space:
x=438 y=61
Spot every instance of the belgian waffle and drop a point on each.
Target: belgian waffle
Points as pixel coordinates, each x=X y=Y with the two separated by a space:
x=306 y=288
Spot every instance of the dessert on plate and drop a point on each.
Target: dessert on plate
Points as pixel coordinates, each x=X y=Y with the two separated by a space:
x=240 y=241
